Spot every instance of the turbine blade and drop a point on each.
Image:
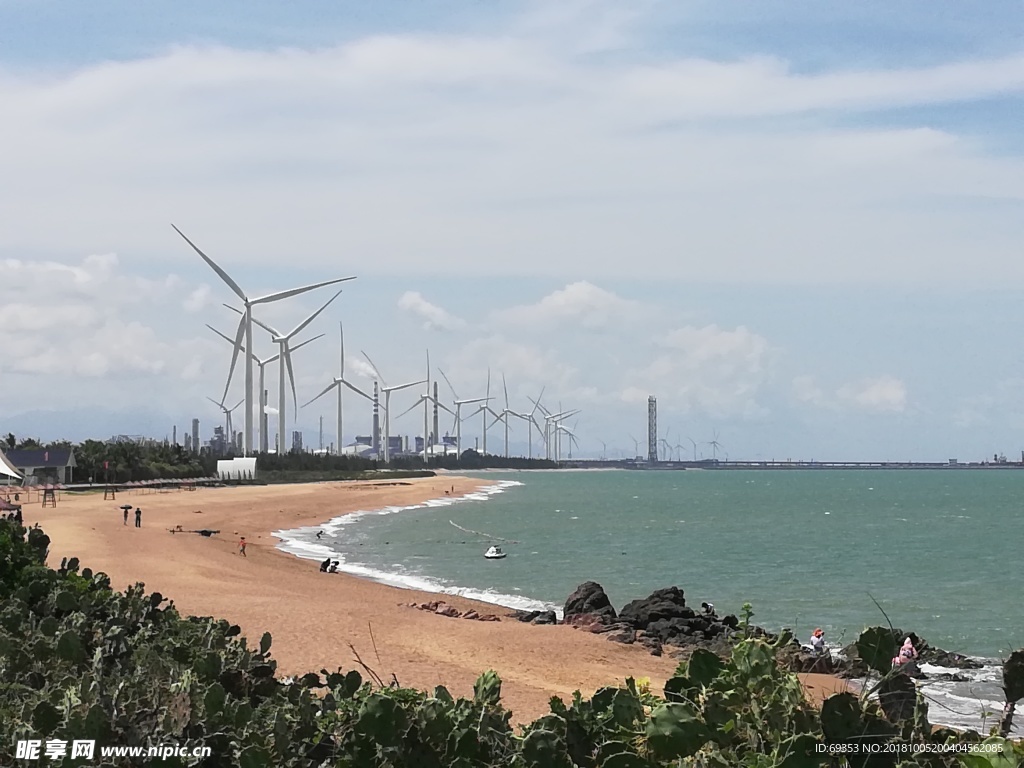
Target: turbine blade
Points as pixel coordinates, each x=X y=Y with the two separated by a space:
x=454 y=395
x=404 y=386
x=296 y=291
x=267 y=328
x=357 y=390
x=239 y=336
x=238 y=404
x=220 y=272
x=505 y=387
x=286 y=358
x=297 y=347
x=375 y=369
x=494 y=422
x=327 y=389
x=414 y=405
x=314 y=316
x=226 y=338
x=219 y=405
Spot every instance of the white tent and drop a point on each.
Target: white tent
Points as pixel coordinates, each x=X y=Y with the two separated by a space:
x=7 y=469
x=237 y=469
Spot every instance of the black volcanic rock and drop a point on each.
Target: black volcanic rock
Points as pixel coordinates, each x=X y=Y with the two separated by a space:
x=589 y=598
x=667 y=603
x=545 y=617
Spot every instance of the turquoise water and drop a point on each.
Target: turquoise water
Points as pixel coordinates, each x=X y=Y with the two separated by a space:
x=939 y=550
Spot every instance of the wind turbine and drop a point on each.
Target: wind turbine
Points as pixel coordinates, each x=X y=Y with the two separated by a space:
x=604 y=449
x=694 y=443
x=715 y=445
x=572 y=437
x=505 y=413
x=427 y=399
x=262 y=364
x=458 y=411
x=636 y=446
x=245 y=328
x=337 y=383
x=387 y=404
x=227 y=416
x=282 y=340
x=531 y=421
x=484 y=409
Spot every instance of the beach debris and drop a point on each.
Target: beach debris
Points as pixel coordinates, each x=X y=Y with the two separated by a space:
x=485 y=535
x=441 y=608
x=201 y=531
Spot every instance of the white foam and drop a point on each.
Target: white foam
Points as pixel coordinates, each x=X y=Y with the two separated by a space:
x=318 y=551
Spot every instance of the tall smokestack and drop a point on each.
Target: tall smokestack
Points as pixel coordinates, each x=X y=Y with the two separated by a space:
x=435 y=438
x=376 y=419
x=174 y=435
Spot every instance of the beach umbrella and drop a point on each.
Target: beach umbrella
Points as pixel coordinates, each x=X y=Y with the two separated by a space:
x=125 y=507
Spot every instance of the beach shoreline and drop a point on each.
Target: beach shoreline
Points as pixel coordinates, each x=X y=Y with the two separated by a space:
x=317 y=619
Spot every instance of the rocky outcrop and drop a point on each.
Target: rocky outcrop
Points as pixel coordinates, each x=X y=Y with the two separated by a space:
x=668 y=603
x=852 y=666
x=589 y=599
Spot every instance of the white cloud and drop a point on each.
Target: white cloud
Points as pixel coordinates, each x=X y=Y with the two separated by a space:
x=580 y=304
x=199 y=299
x=881 y=394
x=513 y=153
x=709 y=369
x=433 y=316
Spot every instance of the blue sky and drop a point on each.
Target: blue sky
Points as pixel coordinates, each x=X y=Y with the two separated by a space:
x=798 y=224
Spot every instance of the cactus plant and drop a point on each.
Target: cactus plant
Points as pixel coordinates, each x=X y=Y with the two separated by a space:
x=1013 y=689
x=877 y=647
x=674 y=730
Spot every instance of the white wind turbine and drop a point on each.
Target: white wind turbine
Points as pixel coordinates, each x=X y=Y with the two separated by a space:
x=282 y=340
x=505 y=413
x=458 y=411
x=531 y=421
x=227 y=416
x=262 y=365
x=484 y=409
x=245 y=329
x=338 y=382
x=427 y=399
x=387 y=404
x=572 y=438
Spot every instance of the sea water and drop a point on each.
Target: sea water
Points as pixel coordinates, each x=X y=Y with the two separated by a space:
x=937 y=551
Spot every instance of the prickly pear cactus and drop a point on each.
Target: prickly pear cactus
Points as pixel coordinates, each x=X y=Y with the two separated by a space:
x=1013 y=676
x=675 y=730
x=877 y=647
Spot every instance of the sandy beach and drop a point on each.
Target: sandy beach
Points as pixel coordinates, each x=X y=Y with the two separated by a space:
x=314 y=617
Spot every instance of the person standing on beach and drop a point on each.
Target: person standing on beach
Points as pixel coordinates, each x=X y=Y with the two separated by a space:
x=126 y=514
x=138 y=517
x=241 y=547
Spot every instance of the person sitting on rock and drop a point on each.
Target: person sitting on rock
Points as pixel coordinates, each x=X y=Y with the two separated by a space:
x=818 y=642
x=708 y=609
x=907 y=654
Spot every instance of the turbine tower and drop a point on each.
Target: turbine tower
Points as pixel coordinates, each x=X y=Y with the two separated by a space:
x=426 y=399
x=227 y=416
x=458 y=412
x=387 y=404
x=245 y=329
x=282 y=341
x=262 y=365
x=484 y=409
x=338 y=382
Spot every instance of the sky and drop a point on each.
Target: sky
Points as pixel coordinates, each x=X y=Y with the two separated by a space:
x=799 y=225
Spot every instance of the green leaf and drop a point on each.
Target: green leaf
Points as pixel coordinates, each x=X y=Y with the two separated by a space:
x=487 y=689
x=841 y=717
x=703 y=667
x=66 y=602
x=49 y=626
x=214 y=699
x=45 y=718
x=1013 y=676
x=674 y=730
x=265 y=643
x=877 y=647
x=544 y=749
x=70 y=648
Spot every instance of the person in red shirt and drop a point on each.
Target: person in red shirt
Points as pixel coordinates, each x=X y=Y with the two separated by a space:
x=241 y=547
